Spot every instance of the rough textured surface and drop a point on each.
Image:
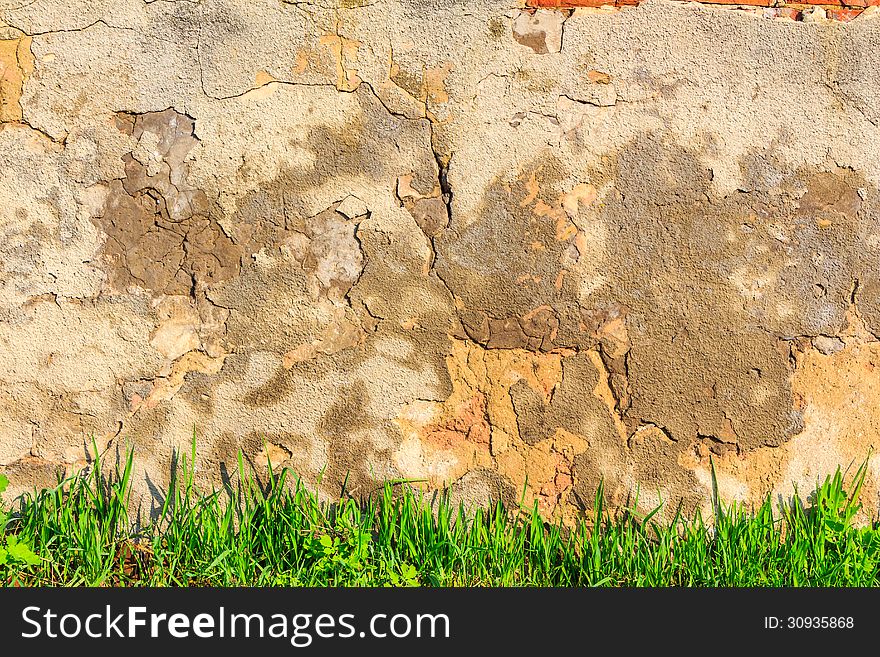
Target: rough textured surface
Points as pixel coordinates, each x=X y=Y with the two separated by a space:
x=508 y=251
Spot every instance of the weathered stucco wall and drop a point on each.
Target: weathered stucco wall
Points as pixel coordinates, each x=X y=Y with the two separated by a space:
x=450 y=240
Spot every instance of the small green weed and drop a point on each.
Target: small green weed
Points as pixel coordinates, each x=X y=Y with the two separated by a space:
x=13 y=552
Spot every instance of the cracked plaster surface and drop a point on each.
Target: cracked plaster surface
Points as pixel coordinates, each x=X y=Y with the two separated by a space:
x=490 y=249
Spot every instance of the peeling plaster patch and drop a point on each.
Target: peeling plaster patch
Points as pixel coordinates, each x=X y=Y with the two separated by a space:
x=352 y=207
x=166 y=385
x=16 y=64
x=540 y=30
x=178 y=330
x=523 y=414
x=274 y=454
x=506 y=266
x=839 y=394
x=345 y=52
x=160 y=235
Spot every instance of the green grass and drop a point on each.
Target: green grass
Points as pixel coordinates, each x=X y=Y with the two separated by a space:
x=281 y=535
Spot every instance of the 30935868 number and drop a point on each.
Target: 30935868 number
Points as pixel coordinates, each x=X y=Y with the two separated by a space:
x=809 y=622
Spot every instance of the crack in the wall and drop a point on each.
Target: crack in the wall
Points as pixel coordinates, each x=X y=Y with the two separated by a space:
x=604 y=391
x=618 y=373
x=856 y=320
x=338 y=5
x=598 y=100
x=84 y=28
x=854 y=330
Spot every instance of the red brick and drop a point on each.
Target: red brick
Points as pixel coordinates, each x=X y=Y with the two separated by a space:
x=573 y=4
x=790 y=12
x=829 y=3
x=848 y=4
x=844 y=15
x=755 y=3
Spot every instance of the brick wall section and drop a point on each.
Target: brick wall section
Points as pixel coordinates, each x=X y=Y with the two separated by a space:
x=843 y=10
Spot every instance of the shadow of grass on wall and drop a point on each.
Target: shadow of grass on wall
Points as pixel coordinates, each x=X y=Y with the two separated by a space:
x=277 y=532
